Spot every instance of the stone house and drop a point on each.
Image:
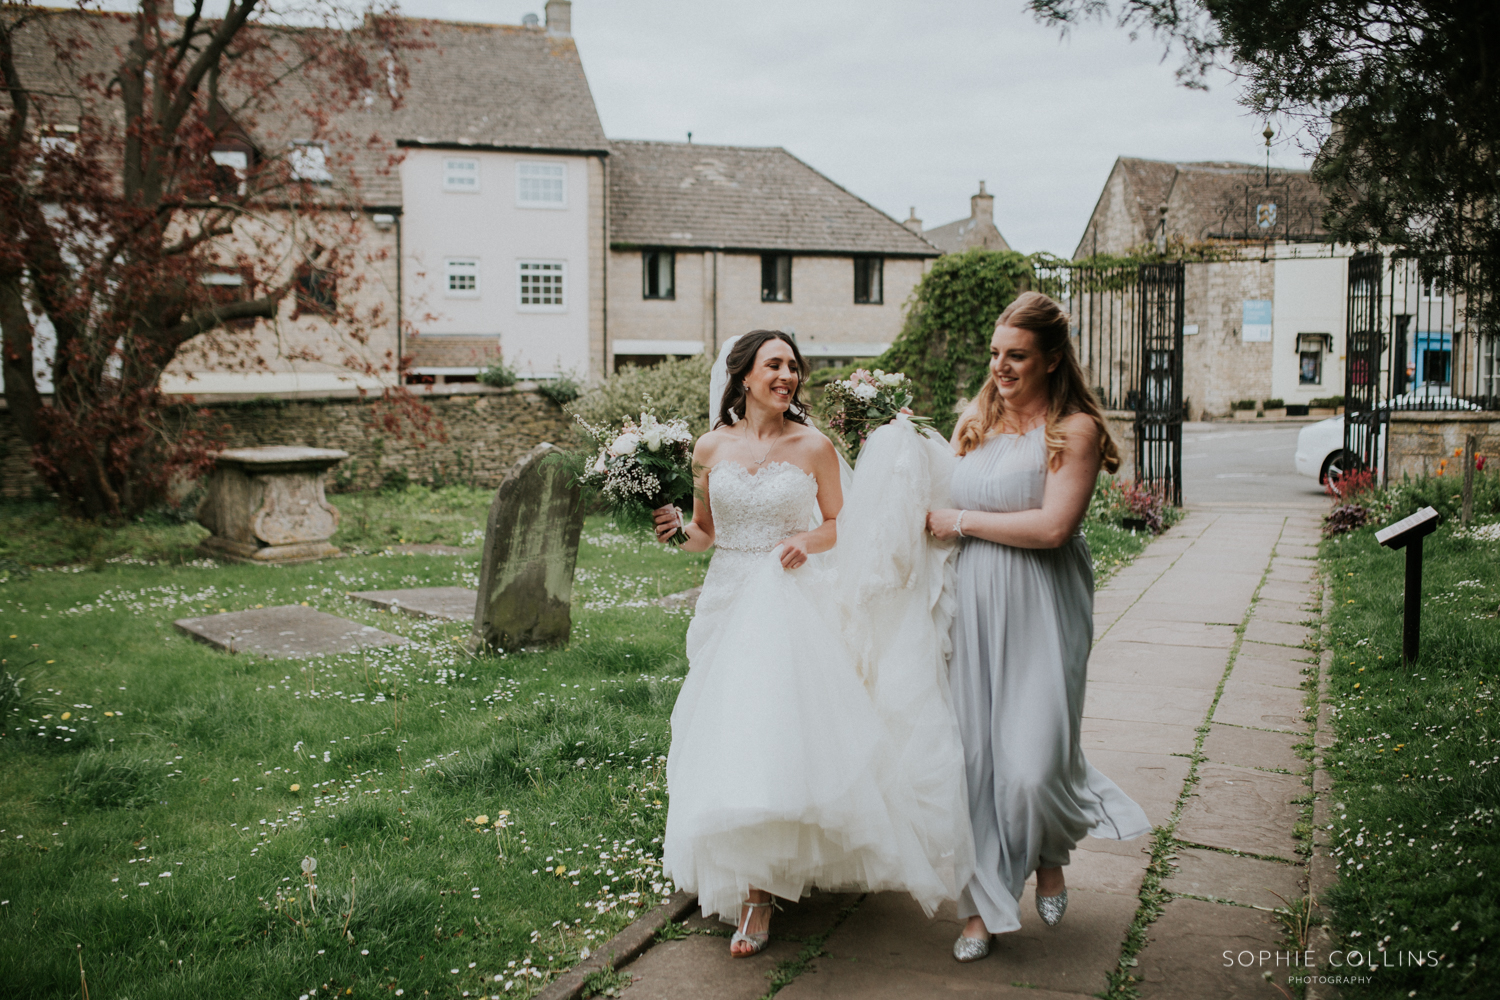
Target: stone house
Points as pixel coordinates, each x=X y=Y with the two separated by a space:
x=1265 y=311
x=710 y=241
x=978 y=231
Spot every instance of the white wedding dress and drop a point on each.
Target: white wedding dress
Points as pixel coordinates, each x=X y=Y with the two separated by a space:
x=814 y=742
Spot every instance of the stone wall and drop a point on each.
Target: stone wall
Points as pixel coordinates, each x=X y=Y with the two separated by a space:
x=1218 y=367
x=1419 y=441
x=488 y=430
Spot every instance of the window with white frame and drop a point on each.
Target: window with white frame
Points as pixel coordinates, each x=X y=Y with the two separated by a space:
x=542 y=285
x=461 y=173
x=461 y=277
x=308 y=159
x=541 y=185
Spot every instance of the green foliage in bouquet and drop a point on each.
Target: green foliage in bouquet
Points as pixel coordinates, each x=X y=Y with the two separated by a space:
x=945 y=345
x=635 y=467
x=855 y=406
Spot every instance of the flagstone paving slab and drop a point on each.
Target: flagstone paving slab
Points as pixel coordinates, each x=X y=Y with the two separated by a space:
x=1135 y=737
x=889 y=935
x=287 y=631
x=1283 y=611
x=1146 y=703
x=1105 y=871
x=1128 y=629
x=1260 y=706
x=1242 y=809
x=1184 y=955
x=454 y=604
x=1253 y=748
x=1275 y=590
x=1249 y=881
x=1277 y=633
x=1279 y=666
x=1119 y=662
x=1217 y=610
x=1154 y=780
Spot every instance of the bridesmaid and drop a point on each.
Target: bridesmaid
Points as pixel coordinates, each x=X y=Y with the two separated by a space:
x=1031 y=446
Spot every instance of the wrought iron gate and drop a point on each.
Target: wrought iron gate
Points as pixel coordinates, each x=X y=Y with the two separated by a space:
x=1362 y=413
x=1415 y=342
x=1127 y=333
x=1158 y=410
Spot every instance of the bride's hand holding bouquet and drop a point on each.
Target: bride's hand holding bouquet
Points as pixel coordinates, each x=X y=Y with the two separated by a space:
x=865 y=401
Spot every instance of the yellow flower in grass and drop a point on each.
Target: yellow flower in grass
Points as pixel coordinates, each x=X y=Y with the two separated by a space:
x=560 y=870
x=298 y=788
x=481 y=820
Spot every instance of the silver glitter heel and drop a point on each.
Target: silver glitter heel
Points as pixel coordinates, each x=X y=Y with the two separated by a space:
x=1052 y=908
x=967 y=949
x=757 y=942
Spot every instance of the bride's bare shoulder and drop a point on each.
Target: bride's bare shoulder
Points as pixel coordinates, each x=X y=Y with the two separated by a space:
x=810 y=440
x=708 y=444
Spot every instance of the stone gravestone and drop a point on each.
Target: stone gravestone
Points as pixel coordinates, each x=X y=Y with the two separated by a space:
x=267 y=505
x=289 y=631
x=530 y=548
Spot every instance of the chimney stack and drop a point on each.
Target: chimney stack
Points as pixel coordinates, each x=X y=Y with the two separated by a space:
x=982 y=205
x=912 y=222
x=560 y=17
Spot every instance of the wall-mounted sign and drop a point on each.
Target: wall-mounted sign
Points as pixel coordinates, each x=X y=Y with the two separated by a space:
x=1255 y=321
x=1189 y=329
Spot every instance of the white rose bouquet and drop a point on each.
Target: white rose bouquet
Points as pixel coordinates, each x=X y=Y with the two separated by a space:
x=856 y=406
x=644 y=465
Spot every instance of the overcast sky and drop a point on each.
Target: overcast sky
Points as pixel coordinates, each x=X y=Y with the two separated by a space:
x=903 y=103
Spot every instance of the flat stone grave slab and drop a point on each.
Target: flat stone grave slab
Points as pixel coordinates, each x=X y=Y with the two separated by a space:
x=1253 y=748
x=682 y=600
x=429 y=549
x=888 y=948
x=452 y=604
x=287 y=631
x=1240 y=809
x=1184 y=954
x=1250 y=881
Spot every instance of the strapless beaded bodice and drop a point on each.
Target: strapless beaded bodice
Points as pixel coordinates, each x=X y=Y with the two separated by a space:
x=754 y=513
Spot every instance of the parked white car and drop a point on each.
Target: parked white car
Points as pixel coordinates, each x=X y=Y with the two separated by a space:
x=1320 y=446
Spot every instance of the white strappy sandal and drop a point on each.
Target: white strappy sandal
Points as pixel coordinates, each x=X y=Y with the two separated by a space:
x=757 y=942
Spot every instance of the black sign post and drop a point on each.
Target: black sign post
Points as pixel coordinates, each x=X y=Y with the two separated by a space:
x=1408 y=533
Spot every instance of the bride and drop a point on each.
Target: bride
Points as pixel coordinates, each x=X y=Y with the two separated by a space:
x=813 y=746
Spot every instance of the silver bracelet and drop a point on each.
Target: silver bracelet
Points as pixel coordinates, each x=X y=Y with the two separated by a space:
x=958 y=525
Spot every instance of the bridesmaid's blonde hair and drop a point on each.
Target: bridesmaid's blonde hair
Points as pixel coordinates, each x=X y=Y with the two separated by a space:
x=1067 y=389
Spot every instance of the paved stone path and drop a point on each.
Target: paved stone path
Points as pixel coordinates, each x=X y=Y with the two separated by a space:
x=1198 y=702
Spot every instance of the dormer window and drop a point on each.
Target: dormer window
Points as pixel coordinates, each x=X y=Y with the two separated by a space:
x=461 y=173
x=308 y=159
x=541 y=185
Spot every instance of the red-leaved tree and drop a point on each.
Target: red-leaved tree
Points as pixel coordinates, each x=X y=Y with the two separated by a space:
x=151 y=207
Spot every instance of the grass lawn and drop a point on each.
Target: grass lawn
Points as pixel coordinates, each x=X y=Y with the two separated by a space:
x=160 y=808
x=1417 y=765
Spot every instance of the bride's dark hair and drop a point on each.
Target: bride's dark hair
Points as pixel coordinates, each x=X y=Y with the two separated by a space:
x=739 y=363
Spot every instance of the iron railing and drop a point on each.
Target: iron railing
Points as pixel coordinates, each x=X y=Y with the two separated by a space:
x=1127 y=334
x=1415 y=343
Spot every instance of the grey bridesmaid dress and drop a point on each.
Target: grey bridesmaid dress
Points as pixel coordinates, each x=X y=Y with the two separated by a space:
x=1021 y=638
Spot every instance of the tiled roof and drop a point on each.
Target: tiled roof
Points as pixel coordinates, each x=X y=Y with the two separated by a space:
x=479 y=85
x=965 y=234
x=1208 y=200
x=676 y=194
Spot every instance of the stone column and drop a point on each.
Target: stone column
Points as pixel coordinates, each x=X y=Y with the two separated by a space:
x=267 y=505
